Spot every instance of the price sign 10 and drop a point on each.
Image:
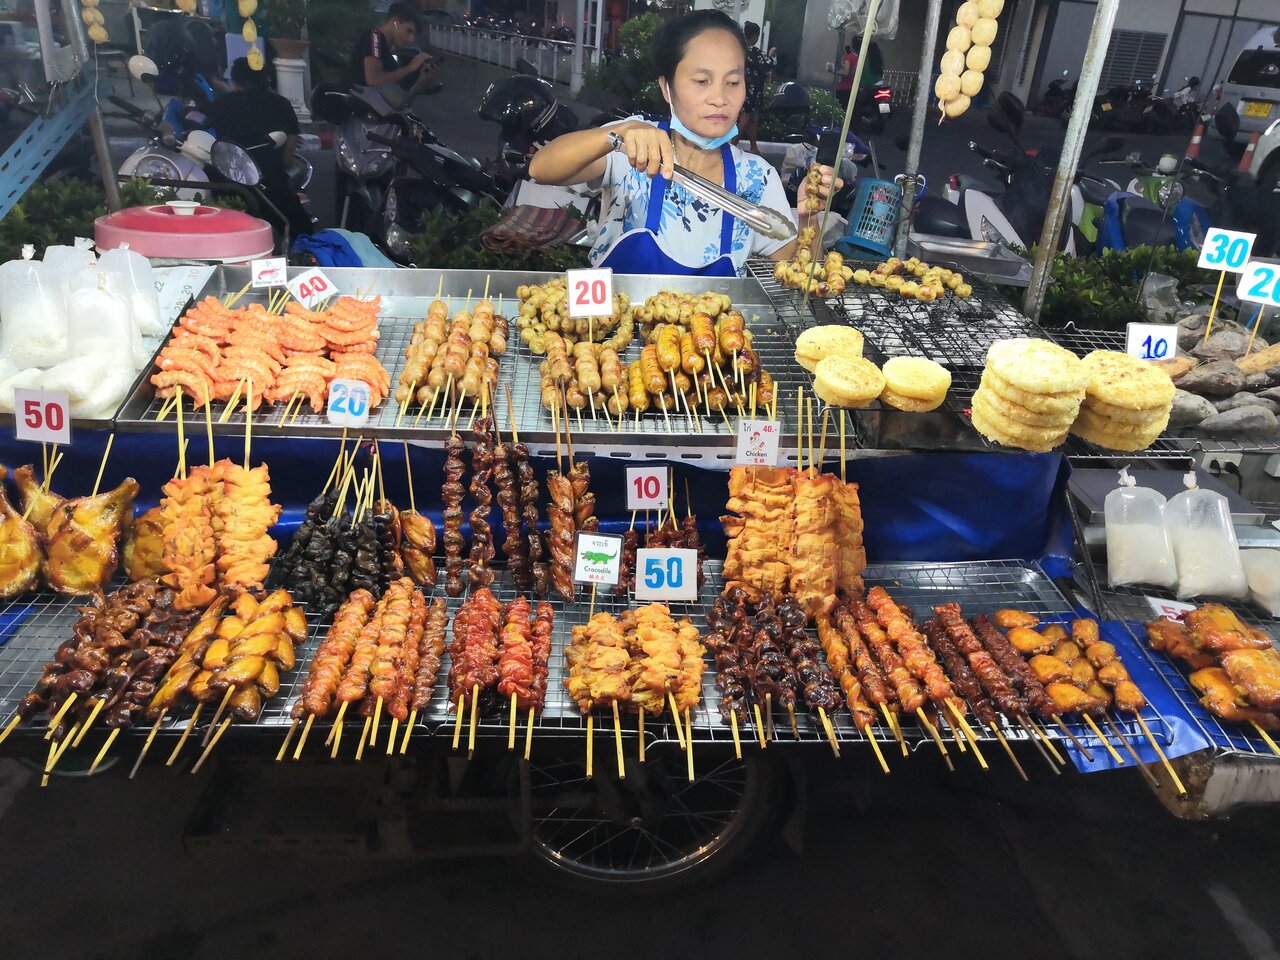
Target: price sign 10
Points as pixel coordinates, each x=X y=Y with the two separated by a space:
x=1152 y=341
x=646 y=488
x=590 y=292
x=42 y=415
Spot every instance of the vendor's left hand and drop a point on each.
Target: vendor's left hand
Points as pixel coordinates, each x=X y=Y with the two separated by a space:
x=820 y=193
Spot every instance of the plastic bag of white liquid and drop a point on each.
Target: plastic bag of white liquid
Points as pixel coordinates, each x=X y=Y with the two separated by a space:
x=63 y=263
x=1138 y=546
x=33 y=318
x=1204 y=544
x=99 y=319
x=139 y=287
x=1262 y=570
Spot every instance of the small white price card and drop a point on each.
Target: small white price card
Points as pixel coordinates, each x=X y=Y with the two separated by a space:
x=1226 y=250
x=348 y=403
x=1170 y=609
x=666 y=574
x=1152 y=341
x=597 y=559
x=42 y=415
x=1258 y=283
x=757 y=443
x=312 y=287
x=647 y=488
x=271 y=272
x=590 y=292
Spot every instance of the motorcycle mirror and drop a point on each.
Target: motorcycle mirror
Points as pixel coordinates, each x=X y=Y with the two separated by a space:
x=1110 y=144
x=143 y=68
x=997 y=121
x=277 y=137
x=1227 y=121
x=234 y=163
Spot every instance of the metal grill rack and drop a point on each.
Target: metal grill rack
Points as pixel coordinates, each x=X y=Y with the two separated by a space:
x=33 y=627
x=1129 y=606
x=405 y=297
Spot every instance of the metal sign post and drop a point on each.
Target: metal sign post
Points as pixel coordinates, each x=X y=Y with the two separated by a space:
x=924 y=91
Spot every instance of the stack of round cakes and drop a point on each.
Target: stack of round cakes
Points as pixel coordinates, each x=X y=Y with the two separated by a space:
x=1030 y=394
x=1127 y=402
x=914 y=384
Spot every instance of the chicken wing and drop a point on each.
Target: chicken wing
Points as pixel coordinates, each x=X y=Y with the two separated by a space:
x=1214 y=627
x=1174 y=639
x=19 y=549
x=1257 y=673
x=1220 y=698
x=417 y=544
x=84 y=539
x=144 y=549
x=38 y=503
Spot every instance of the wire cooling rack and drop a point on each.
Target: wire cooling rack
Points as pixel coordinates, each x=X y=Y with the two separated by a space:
x=34 y=626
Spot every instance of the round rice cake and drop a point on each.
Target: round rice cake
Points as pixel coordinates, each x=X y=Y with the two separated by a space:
x=1123 y=417
x=909 y=404
x=1120 y=380
x=998 y=430
x=1117 y=436
x=1009 y=410
x=1060 y=404
x=847 y=381
x=917 y=378
x=1037 y=366
x=828 y=340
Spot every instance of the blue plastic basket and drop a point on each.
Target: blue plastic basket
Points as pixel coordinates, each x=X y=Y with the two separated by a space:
x=872 y=216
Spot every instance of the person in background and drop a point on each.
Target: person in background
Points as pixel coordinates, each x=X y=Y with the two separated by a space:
x=760 y=68
x=844 y=74
x=247 y=116
x=371 y=62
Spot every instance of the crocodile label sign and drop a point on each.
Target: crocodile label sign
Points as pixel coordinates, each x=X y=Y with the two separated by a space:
x=597 y=559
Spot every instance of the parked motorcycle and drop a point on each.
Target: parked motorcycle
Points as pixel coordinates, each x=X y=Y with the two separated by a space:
x=1123 y=107
x=1058 y=99
x=528 y=114
x=1164 y=216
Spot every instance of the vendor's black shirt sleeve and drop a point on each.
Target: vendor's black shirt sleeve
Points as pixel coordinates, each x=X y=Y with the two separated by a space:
x=246 y=117
x=369 y=44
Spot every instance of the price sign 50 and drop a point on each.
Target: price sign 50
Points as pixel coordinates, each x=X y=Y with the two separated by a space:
x=42 y=415
x=666 y=574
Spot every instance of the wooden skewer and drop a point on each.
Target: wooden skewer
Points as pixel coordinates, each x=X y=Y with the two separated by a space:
x=391 y=738
x=791 y=712
x=146 y=747
x=640 y=732
x=1105 y=742
x=808 y=406
x=1044 y=736
x=226 y=698
x=768 y=716
x=10 y=726
x=408 y=729
x=511 y=732
x=337 y=724
x=617 y=739
x=1074 y=739
x=528 y=735
x=937 y=738
x=302 y=740
x=826 y=725
x=764 y=745
x=248 y=421
x=288 y=738
x=93 y=715
x=1142 y=767
x=364 y=735
x=212 y=743
x=161 y=414
x=56 y=750
x=895 y=729
x=968 y=731
x=335 y=471
x=1009 y=750
x=231 y=404
x=590 y=743
x=737 y=742
x=875 y=746
x=1182 y=791
x=48 y=764
x=62 y=712
x=688 y=729
x=800 y=429
x=208 y=430
x=956 y=735
x=195 y=715
x=424 y=406
x=475 y=710
x=457 y=721
x=1266 y=737
x=675 y=715
x=822 y=443
x=1035 y=742
x=842 y=455
x=377 y=718
x=111 y=438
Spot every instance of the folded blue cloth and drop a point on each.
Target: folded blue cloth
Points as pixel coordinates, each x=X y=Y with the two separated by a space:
x=341 y=248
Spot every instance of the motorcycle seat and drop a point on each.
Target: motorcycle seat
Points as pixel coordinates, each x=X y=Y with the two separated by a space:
x=940 y=218
x=1146 y=224
x=1095 y=191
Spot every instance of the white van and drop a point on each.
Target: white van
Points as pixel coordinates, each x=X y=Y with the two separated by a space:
x=1253 y=85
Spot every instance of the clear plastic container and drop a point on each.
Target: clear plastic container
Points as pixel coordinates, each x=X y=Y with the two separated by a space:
x=1262 y=570
x=1138 y=545
x=33 y=320
x=1204 y=544
x=138 y=286
x=100 y=321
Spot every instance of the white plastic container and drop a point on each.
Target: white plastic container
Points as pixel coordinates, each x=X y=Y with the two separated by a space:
x=100 y=321
x=1262 y=570
x=138 y=286
x=33 y=320
x=1138 y=546
x=1204 y=544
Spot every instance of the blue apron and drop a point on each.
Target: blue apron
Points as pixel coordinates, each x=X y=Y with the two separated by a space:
x=637 y=251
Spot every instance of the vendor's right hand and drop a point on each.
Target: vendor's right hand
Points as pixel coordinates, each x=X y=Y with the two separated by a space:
x=648 y=149
x=417 y=62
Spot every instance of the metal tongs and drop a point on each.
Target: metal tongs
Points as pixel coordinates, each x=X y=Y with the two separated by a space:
x=763 y=220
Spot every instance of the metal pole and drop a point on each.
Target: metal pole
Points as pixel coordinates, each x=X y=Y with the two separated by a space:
x=924 y=89
x=575 y=73
x=97 y=130
x=1059 y=198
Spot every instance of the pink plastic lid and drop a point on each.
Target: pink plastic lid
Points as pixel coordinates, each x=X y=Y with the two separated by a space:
x=184 y=230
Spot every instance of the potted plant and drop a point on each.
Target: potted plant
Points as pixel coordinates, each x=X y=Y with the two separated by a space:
x=286 y=21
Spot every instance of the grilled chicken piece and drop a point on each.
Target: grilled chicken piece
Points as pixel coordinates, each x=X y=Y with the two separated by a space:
x=1214 y=627
x=1257 y=674
x=1071 y=699
x=38 y=503
x=1222 y=700
x=1055 y=633
x=19 y=549
x=84 y=539
x=417 y=544
x=1049 y=669
x=1175 y=640
x=1028 y=642
x=1129 y=697
x=1008 y=619
x=144 y=548
x=1101 y=654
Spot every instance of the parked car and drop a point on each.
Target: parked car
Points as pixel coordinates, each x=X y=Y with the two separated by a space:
x=1253 y=85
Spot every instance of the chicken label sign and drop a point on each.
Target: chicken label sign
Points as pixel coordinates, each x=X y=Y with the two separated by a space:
x=663 y=575
x=757 y=443
x=1170 y=609
x=42 y=415
x=272 y=272
x=348 y=403
x=597 y=559
x=312 y=287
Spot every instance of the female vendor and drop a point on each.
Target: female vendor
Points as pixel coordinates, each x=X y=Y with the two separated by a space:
x=648 y=224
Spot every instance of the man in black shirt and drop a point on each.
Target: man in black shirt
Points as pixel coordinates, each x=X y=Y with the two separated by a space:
x=371 y=61
x=247 y=116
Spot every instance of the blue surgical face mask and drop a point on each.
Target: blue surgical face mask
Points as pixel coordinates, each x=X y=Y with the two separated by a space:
x=706 y=143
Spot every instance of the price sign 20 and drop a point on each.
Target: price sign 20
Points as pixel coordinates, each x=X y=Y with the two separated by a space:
x=590 y=292
x=1258 y=283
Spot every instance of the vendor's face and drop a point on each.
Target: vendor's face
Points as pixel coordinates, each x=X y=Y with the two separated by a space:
x=708 y=89
x=404 y=33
